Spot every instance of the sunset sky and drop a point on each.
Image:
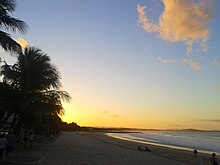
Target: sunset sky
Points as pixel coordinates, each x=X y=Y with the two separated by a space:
x=137 y=63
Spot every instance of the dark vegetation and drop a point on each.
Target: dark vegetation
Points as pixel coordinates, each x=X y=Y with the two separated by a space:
x=30 y=90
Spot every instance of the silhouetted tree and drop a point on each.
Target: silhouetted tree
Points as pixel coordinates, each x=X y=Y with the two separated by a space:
x=38 y=83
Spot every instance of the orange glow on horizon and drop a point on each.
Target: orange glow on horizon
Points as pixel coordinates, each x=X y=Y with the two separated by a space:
x=98 y=118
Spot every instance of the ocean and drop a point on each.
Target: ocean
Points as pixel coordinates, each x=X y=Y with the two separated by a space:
x=203 y=141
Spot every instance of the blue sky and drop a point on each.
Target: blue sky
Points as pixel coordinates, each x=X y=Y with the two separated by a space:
x=119 y=74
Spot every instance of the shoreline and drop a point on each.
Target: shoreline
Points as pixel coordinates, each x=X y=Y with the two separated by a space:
x=176 y=154
x=114 y=135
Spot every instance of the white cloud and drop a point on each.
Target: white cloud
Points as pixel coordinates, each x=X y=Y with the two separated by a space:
x=144 y=22
x=167 y=61
x=181 y=21
x=194 y=65
x=216 y=61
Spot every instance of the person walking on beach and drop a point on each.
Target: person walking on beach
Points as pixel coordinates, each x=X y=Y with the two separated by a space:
x=31 y=137
x=3 y=143
x=197 y=159
x=11 y=139
x=51 y=137
x=214 y=160
x=25 y=138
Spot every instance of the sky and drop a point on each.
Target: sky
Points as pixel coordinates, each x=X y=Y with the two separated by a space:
x=151 y=64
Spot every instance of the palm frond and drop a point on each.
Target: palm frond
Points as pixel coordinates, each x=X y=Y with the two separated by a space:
x=36 y=67
x=9 y=23
x=10 y=74
x=7 y=5
x=8 y=44
x=63 y=95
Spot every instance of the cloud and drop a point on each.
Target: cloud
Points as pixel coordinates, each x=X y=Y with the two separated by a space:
x=105 y=112
x=167 y=61
x=181 y=21
x=209 y=120
x=194 y=65
x=22 y=42
x=144 y=22
x=115 y=116
x=216 y=61
x=174 y=125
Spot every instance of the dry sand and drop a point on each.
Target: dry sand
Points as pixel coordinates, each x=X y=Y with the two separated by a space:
x=97 y=149
x=87 y=148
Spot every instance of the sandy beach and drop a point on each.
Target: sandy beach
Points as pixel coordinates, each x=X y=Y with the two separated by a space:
x=85 y=148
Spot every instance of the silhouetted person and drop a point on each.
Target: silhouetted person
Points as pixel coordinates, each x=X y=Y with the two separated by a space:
x=214 y=160
x=197 y=159
x=3 y=144
x=31 y=137
x=147 y=149
x=51 y=137
x=11 y=139
x=139 y=148
x=144 y=149
x=25 y=138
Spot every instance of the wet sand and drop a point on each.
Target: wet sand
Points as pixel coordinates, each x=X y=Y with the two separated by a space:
x=85 y=148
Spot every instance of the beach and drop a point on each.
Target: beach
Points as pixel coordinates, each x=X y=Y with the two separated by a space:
x=93 y=148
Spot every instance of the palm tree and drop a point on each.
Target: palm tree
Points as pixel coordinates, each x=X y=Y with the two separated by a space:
x=9 y=23
x=38 y=82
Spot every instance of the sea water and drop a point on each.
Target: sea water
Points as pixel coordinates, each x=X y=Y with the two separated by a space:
x=204 y=141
